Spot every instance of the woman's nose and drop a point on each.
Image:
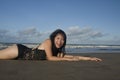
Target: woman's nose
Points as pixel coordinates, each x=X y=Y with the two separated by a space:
x=59 y=41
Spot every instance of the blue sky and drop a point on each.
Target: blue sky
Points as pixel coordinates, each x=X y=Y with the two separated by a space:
x=84 y=21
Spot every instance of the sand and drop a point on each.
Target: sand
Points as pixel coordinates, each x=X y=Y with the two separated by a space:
x=108 y=69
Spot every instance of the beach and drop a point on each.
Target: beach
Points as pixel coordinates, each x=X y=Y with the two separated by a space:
x=108 y=69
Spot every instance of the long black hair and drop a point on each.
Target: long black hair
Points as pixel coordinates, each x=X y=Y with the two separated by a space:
x=55 y=50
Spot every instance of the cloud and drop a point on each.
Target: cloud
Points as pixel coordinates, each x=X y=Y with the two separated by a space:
x=26 y=35
x=3 y=33
x=85 y=32
x=76 y=30
x=96 y=35
x=29 y=35
x=30 y=32
x=76 y=34
x=6 y=36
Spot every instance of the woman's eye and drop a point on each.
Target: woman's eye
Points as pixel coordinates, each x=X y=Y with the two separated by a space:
x=58 y=38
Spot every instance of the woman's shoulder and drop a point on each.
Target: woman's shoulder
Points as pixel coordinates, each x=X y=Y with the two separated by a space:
x=46 y=42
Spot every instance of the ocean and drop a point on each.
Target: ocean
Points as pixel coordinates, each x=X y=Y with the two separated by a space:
x=77 y=48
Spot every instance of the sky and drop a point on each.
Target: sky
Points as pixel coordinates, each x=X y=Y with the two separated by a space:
x=84 y=21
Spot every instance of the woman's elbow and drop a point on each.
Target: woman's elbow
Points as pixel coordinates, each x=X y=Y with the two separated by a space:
x=49 y=58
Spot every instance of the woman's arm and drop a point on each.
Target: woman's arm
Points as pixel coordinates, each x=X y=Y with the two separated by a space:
x=83 y=58
x=75 y=58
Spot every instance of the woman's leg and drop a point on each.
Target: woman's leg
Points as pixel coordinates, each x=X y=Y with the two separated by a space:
x=9 y=53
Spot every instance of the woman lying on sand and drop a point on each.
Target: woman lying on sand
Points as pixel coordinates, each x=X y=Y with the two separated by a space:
x=52 y=49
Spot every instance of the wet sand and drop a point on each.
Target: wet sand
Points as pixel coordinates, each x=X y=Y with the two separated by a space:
x=108 y=69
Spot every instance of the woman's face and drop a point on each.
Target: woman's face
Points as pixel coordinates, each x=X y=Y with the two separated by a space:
x=59 y=40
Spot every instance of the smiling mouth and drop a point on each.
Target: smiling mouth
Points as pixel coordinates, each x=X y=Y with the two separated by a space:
x=58 y=45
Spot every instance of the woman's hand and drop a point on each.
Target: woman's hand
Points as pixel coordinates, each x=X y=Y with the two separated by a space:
x=87 y=58
x=95 y=59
